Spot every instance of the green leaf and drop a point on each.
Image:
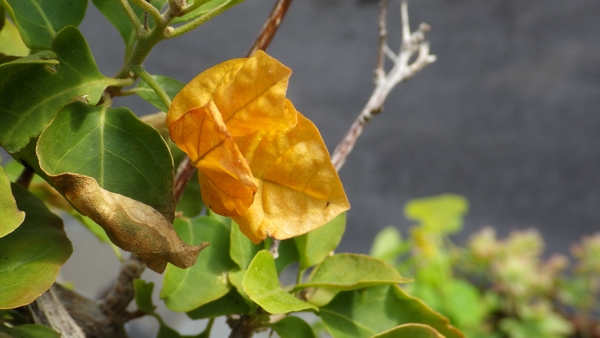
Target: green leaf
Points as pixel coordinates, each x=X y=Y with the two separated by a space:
x=231 y=303
x=412 y=331
x=29 y=331
x=185 y=290
x=262 y=286
x=387 y=244
x=204 y=9
x=123 y=154
x=366 y=312
x=143 y=295
x=38 y=91
x=40 y=20
x=352 y=271
x=242 y=249
x=443 y=213
x=462 y=303
x=10 y=215
x=116 y=15
x=31 y=256
x=10 y=40
x=315 y=246
x=171 y=87
x=293 y=327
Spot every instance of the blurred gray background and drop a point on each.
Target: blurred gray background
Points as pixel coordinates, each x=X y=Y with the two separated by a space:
x=508 y=116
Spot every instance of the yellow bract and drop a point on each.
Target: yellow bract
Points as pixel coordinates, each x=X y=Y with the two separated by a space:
x=259 y=160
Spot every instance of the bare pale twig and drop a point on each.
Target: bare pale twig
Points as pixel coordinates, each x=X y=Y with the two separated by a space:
x=186 y=169
x=401 y=71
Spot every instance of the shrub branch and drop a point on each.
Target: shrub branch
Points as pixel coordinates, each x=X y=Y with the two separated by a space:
x=402 y=70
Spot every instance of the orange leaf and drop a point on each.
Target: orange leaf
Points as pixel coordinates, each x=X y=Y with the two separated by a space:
x=249 y=93
x=226 y=181
x=298 y=187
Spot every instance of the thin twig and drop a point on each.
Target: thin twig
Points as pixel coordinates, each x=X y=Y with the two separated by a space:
x=184 y=174
x=132 y=16
x=380 y=67
x=270 y=26
x=186 y=169
x=152 y=83
x=147 y=7
x=401 y=71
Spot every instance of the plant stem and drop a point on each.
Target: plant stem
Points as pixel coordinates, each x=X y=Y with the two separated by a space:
x=150 y=9
x=193 y=6
x=270 y=26
x=143 y=74
x=131 y=15
x=198 y=21
x=25 y=177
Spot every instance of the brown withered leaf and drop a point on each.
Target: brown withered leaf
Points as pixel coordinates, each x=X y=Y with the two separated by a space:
x=131 y=225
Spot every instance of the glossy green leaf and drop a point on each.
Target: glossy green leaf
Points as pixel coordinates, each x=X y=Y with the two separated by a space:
x=31 y=256
x=116 y=15
x=293 y=327
x=10 y=215
x=185 y=290
x=123 y=154
x=316 y=245
x=261 y=284
x=412 y=331
x=443 y=213
x=231 y=303
x=242 y=249
x=352 y=271
x=28 y=331
x=37 y=91
x=288 y=254
x=171 y=87
x=39 y=20
x=370 y=311
x=207 y=9
x=143 y=295
x=11 y=42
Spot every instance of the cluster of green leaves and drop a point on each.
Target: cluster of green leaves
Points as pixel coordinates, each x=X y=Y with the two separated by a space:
x=493 y=287
x=58 y=121
x=354 y=295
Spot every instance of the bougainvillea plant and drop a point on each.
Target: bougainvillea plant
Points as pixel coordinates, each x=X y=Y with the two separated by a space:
x=267 y=194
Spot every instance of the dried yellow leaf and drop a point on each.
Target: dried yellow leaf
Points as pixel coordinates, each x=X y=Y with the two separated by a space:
x=131 y=225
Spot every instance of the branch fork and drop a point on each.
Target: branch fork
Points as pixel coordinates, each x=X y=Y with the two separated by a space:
x=402 y=70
